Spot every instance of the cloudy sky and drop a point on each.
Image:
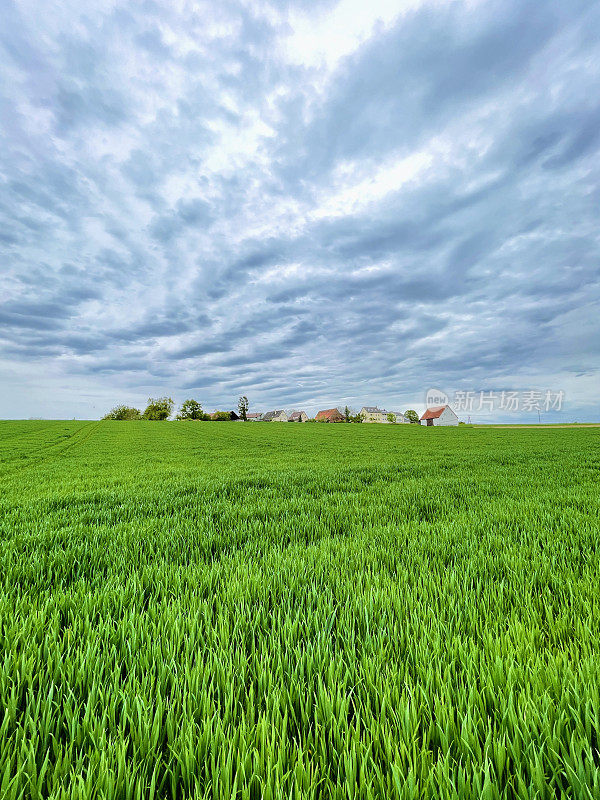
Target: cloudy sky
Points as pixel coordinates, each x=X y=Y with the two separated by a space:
x=310 y=202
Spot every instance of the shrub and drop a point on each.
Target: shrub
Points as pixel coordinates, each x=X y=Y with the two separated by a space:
x=221 y=416
x=123 y=413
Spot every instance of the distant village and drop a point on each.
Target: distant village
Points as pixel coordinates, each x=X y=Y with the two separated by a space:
x=161 y=409
x=438 y=415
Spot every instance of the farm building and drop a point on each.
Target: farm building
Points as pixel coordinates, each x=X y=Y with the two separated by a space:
x=254 y=417
x=274 y=416
x=298 y=416
x=439 y=415
x=330 y=415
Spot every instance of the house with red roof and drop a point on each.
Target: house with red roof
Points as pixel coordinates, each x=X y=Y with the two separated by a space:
x=439 y=415
x=330 y=415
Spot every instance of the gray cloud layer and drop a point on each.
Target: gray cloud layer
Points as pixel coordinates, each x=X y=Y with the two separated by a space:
x=186 y=208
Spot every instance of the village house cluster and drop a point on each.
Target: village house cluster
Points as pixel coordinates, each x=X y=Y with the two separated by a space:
x=161 y=408
x=438 y=415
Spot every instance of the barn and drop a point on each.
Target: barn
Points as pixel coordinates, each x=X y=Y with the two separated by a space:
x=439 y=415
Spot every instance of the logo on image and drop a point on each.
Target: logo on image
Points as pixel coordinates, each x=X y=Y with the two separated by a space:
x=435 y=397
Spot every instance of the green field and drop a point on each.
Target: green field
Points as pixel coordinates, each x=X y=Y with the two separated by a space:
x=298 y=611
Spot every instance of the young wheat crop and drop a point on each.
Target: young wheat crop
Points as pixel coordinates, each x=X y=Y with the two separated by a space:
x=195 y=610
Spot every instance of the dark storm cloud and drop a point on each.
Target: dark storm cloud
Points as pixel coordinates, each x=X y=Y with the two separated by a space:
x=185 y=205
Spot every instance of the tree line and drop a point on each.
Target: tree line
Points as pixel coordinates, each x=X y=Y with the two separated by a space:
x=161 y=408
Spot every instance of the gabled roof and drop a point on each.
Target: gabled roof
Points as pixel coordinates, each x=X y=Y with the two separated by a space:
x=295 y=415
x=271 y=415
x=434 y=413
x=372 y=410
x=254 y=416
x=328 y=414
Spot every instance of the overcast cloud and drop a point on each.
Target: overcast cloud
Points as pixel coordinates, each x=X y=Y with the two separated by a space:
x=310 y=203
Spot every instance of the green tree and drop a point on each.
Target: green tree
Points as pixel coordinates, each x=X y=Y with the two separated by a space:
x=159 y=408
x=243 y=406
x=221 y=416
x=191 y=409
x=347 y=414
x=391 y=418
x=357 y=418
x=412 y=416
x=123 y=413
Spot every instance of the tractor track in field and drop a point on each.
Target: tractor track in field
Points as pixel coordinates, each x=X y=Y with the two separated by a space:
x=51 y=451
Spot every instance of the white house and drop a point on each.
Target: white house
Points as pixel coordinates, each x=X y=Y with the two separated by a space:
x=274 y=416
x=439 y=415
